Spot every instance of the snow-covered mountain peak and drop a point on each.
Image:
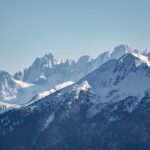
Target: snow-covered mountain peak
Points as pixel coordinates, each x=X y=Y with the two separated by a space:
x=118 y=79
x=135 y=58
x=84 y=59
x=56 y=60
x=49 y=60
x=120 y=50
x=49 y=56
x=18 y=75
x=45 y=66
x=104 y=55
x=4 y=74
x=143 y=58
x=69 y=61
x=9 y=87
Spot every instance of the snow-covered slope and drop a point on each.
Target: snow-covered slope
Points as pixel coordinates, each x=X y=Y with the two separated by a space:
x=28 y=94
x=114 y=81
x=9 y=87
x=14 y=91
x=119 y=79
x=54 y=89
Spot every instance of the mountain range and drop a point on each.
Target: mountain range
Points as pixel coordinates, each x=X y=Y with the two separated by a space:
x=48 y=71
x=95 y=104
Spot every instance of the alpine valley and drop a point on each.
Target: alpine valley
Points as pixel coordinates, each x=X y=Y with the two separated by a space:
x=98 y=103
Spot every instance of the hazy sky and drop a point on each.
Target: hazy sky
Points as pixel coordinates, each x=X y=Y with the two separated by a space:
x=69 y=28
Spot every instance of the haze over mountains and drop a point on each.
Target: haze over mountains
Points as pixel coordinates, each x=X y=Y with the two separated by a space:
x=94 y=104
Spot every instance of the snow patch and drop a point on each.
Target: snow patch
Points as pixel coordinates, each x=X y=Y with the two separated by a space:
x=23 y=84
x=84 y=86
x=48 y=121
x=143 y=58
x=56 y=88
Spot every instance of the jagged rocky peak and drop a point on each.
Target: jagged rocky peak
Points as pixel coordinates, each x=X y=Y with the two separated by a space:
x=18 y=76
x=120 y=51
x=120 y=77
x=49 y=56
x=4 y=74
x=84 y=59
x=45 y=67
x=146 y=52
x=135 y=58
x=48 y=61
x=104 y=55
x=70 y=61
x=53 y=61
x=39 y=67
x=102 y=58
x=129 y=58
x=8 y=86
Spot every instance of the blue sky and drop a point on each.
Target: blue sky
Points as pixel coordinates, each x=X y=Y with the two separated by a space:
x=69 y=28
